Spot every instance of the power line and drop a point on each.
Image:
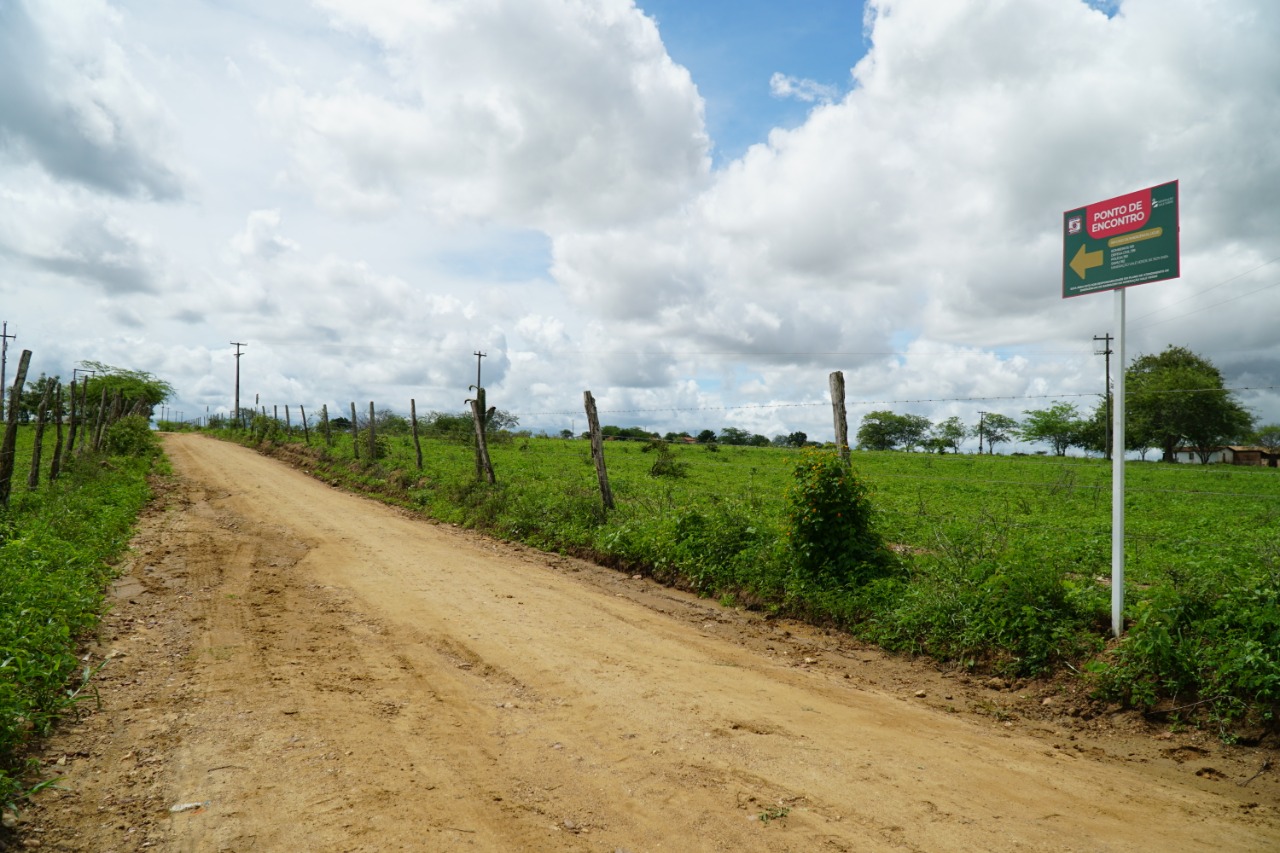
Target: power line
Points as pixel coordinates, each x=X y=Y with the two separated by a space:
x=853 y=403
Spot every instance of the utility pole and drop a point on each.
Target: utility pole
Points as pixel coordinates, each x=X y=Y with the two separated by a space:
x=5 y=337
x=479 y=355
x=236 y=414
x=982 y=422
x=1106 y=350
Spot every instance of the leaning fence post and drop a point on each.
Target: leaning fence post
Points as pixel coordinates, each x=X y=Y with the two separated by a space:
x=33 y=478
x=597 y=449
x=11 y=429
x=306 y=432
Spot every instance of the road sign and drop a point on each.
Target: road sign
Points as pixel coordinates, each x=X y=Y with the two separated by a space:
x=1123 y=241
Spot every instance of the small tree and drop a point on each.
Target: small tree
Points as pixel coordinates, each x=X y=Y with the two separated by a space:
x=1268 y=438
x=995 y=428
x=947 y=434
x=831 y=535
x=1058 y=426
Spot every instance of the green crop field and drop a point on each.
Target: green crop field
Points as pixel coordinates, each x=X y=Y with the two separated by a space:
x=999 y=562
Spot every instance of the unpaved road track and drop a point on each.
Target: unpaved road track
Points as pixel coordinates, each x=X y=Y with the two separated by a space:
x=323 y=673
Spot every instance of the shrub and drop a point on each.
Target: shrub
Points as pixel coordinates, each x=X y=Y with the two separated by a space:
x=130 y=436
x=831 y=534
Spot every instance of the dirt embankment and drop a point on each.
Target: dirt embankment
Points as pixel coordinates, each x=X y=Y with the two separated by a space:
x=295 y=668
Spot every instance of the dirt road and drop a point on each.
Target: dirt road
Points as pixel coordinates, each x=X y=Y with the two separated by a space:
x=296 y=668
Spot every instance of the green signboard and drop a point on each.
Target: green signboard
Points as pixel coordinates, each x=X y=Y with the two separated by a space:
x=1123 y=241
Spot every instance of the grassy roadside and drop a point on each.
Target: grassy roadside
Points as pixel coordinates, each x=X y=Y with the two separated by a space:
x=1000 y=564
x=58 y=544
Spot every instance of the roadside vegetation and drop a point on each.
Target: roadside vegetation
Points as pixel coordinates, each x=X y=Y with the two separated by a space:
x=59 y=538
x=991 y=563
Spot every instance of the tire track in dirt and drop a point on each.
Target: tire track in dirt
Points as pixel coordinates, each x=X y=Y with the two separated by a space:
x=322 y=672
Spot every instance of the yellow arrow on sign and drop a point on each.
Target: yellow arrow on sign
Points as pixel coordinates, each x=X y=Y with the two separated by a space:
x=1084 y=261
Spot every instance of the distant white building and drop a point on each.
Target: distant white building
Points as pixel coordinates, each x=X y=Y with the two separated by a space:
x=1230 y=454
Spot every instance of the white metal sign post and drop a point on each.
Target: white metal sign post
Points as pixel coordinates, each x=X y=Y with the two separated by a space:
x=1114 y=244
x=1117 y=475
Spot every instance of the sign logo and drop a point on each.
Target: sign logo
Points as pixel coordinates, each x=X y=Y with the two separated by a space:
x=1074 y=224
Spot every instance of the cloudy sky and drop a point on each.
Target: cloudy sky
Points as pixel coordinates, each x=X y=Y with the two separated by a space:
x=696 y=209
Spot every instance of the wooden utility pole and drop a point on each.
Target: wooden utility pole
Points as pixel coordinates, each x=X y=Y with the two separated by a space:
x=597 y=449
x=413 y=418
x=1106 y=350
x=839 y=414
x=5 y=337
x=11 y=429
x=238 y=416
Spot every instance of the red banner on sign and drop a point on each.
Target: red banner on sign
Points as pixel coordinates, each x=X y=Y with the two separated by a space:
x=1118 y=215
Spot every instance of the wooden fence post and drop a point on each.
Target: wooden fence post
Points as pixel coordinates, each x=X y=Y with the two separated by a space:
x=413 y=417
x=37 y=450
x=306 y=432
x=288 y=421
x=55 y=464
x=11 y=429
x=355 y=433
x=99 y=423
x=71 y=437
x=597 y=449
x=373 y=446
x=324 y=423
x=484 y=467
x=838 y=412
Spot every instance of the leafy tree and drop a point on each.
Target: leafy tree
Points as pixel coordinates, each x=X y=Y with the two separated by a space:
x=885 y=430
x=1057 y=426
x=733 y=435
x=1268 y=437
x=706 y=437
x=676 y=436
x=797 y=439
x=29 y=404
x=947 y=434
x=1178 y=397
x=566 y=433
x=995 y=428
x=137 y=388
x=878 y=431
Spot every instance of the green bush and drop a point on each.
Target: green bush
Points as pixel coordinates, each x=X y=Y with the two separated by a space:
x=131 y=436
x=831 y=534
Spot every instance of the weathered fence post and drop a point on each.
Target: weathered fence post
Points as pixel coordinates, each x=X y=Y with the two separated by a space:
x=355 y=433
x=55 y=464
x=306 y=431
x=288 y=421
x=100 y=422
x=71 y=437
x=33 y=478
x=11 y=429
x=324 y=423
x=479 y=416
x=838 y=411
x=413 y=417
x=597 y=449
x=373 y=447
